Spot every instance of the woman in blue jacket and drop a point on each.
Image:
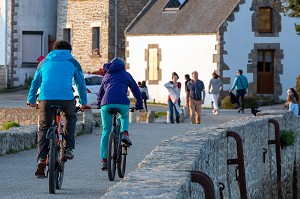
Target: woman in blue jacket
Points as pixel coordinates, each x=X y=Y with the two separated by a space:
x=113 y=94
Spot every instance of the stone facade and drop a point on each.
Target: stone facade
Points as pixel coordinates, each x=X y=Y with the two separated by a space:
x=80 y=16
x=2 y=77
x=164 y=173
x=22 y=116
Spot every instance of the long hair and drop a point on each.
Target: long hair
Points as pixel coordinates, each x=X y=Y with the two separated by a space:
x=291 y=98
x=295 y=94
x=143 y=84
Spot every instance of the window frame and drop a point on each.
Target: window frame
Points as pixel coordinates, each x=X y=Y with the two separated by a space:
x=264 y=60
x=261 y=27
x=67 y=34
x=96 y=40
x=166 y=8
x=31 y=64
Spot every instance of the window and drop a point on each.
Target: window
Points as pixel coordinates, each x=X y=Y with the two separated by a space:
x=31 y=52
x=67 y=34
x=174 y=4
x=265 y=61
x=96 y=40
x=153 y=64
x=265 y=20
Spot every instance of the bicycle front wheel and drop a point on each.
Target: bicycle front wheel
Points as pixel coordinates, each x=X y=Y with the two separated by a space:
x=52 y=165
x=111 y=156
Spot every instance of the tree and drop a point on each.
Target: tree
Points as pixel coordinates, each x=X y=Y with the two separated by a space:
x=291 y=8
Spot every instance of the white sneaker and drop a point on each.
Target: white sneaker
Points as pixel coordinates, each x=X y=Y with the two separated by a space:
x=213 y=111
x=216 y=112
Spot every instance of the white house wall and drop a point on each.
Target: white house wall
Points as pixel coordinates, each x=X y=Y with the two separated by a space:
x=34 y=15
x=239 y=41
x=2 y=32
x=180 y=54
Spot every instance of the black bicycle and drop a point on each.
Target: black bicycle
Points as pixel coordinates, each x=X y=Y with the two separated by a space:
x=116 y=151
x=55 y=159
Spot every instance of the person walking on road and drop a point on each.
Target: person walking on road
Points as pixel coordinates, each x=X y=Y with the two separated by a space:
x=241 y=85
x=144 y=93
x=215 y=85
x=174 y=88
x=196 y=96
x=54 y=78
x=187 y=79
x=113 y=94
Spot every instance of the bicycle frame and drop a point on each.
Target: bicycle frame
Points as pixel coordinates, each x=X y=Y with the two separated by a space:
x=55 y=159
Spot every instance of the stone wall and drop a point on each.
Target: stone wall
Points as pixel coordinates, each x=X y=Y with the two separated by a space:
x=80 y=16
x=22 y=116
x=20 y=138
x=2 y=77
x=165 y=172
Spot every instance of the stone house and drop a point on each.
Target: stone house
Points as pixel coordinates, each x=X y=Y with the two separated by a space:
x=96 y=28
x=216 y=35
x=27 y=31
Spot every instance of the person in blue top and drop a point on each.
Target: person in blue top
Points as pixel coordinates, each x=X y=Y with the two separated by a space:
x=54 y=79
x=113 y=94
x=241 y=85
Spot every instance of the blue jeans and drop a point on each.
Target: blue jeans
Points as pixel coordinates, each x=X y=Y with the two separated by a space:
x=107 y=120
x=171 y=111
x=240 y=94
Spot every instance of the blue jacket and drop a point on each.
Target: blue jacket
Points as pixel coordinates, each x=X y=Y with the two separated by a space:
x=240 y=82
x=115 y=83
x=54 y=78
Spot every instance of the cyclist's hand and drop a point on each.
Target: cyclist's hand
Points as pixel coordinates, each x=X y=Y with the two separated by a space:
x=82 y=107
x=31 y=105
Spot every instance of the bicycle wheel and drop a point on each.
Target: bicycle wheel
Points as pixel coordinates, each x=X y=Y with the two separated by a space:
x=52 y=165
x=60 y=167
x=111 y=157
x=121 y=164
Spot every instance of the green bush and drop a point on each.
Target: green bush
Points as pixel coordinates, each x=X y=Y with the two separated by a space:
x=287 y=137
x=250 y=101
x=9 y=124
x=160 y=114
x=226 y=104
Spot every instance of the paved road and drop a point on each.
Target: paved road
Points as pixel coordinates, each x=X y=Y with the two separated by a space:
x=83 y=177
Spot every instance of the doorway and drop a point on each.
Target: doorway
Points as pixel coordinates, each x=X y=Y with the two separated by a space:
x=265 y=71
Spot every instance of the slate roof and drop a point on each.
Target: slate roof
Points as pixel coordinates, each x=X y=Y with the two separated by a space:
x=195 y=17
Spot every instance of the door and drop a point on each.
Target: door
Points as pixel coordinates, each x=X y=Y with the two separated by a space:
x=265 y=72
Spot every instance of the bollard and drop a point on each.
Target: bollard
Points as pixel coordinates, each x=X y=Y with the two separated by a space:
x=186 y=111
x=151 y=117
x=168 y=117
x=87 y=118
x=132 y=117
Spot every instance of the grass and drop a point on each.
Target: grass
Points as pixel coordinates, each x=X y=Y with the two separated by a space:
x=160 y=114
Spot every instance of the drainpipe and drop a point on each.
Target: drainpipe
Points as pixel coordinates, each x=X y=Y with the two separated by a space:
x=5 y=44
x=116 y=28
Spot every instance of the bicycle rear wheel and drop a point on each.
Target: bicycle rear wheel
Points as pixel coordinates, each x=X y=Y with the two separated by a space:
x=111 y=156
x=52 y=165
x=121 y=164
x=60 y=167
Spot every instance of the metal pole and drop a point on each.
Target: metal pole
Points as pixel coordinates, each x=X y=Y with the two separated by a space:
x=5 y=44
x=116 y=28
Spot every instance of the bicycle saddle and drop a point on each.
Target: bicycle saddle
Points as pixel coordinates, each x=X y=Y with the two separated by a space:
x=113 y=110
